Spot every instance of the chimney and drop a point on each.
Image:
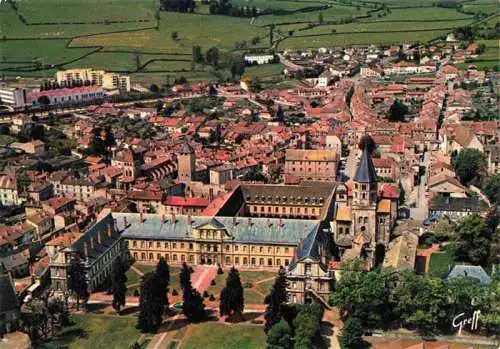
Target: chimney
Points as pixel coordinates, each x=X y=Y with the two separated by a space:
x=190 y=221
x=91 y=243
x=281 y=222
x=210 y=194
x=142 y=217
x=163 y=218
x=99 y=238
x=85 y=249
x=249 y=220
x=125 y=222
x=173 y=218
x=268 y=222
x=235 y=221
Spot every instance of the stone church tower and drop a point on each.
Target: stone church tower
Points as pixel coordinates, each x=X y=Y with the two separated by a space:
x=186 y=163
x=364 y=203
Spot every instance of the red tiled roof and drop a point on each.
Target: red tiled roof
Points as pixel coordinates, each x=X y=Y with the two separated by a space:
x=187 y=202
x=66 y=91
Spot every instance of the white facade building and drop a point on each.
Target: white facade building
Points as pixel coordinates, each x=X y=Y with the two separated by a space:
x=259 y=59
x=13 y=96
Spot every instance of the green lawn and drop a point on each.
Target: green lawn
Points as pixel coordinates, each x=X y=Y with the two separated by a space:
x=145 y=268
x=96 y=332
x=442 y=261
x=211 y=335
x=251 y=295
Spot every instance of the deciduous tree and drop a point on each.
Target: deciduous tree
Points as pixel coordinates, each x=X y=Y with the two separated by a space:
x=469 y=165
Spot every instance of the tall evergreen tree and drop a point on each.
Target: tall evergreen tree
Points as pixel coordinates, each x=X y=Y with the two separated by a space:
x=184 y=277
x=193 y=306
x=163 y=271
x=274 y=300
x=231 y=297
x=119 y=281
x=77 y=281
x=150 y=304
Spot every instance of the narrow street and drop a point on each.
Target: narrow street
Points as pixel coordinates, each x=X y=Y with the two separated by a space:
x=419 y=212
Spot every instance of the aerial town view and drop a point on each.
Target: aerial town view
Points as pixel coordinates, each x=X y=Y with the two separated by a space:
x=249 y=174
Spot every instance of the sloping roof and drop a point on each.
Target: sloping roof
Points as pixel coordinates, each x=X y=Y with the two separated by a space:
x=187 y=201
x=254 y=230
x=473 y=271
x=8 y=298
x=365 y=172
x=469 y=204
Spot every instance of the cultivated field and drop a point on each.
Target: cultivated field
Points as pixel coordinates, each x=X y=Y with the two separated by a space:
x=38 y=37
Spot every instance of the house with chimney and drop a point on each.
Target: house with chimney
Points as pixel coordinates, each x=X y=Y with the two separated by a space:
x=96 y=249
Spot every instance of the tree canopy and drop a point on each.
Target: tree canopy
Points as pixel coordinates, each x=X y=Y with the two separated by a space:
x=473 y=239
x=398 y=111
x=491 y=188
x=469 y=165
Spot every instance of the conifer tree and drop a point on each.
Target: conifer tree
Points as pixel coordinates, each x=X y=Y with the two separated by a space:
x=119 y=281
x=163 y=271
x=231 y=297
x=193 y=306
x=150 y=304
x=274 y=300
x=77 y=281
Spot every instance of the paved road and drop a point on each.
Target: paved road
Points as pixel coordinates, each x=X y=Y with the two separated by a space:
x=420 y=212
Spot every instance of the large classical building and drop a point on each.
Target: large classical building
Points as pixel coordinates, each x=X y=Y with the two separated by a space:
x=308 y=200
x=304 y=228
x=311 y=164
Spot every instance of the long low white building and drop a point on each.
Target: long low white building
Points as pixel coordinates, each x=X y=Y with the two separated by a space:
x=68 y=95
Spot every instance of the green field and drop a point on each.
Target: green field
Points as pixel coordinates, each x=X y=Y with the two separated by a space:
x=220 y=336
x=117 y=35
x=96 y=332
